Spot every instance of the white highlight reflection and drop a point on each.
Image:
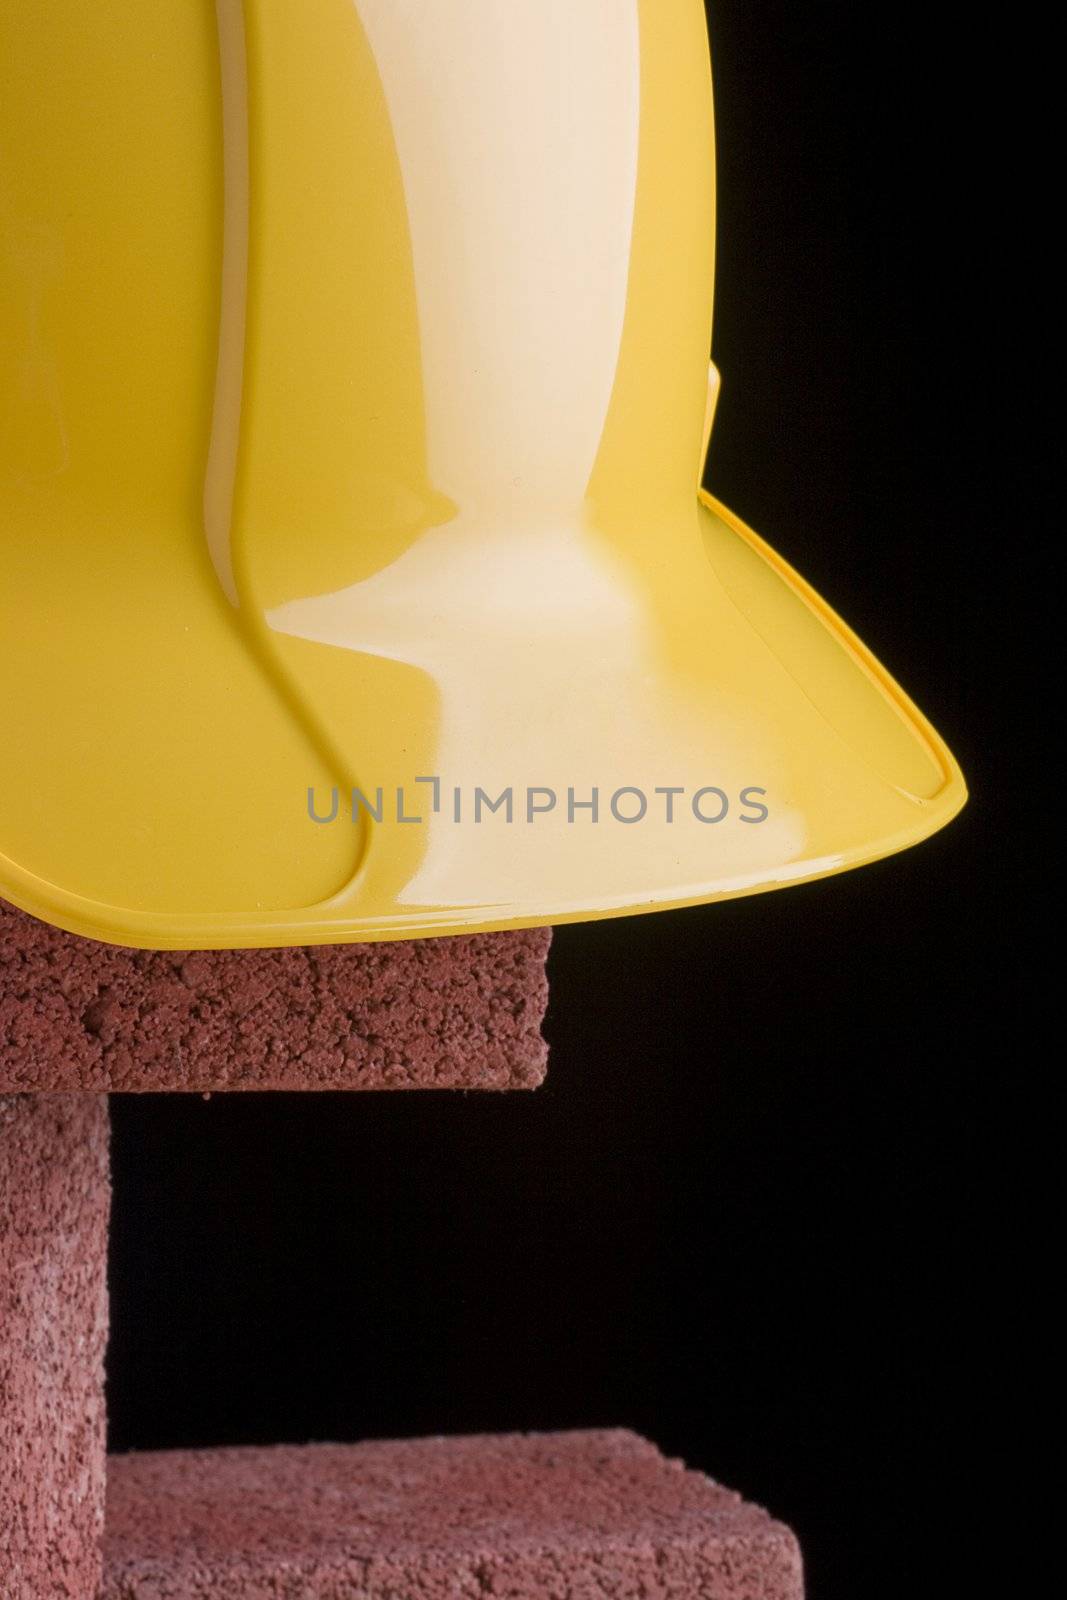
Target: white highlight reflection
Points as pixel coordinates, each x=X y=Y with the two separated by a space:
x=516 y=127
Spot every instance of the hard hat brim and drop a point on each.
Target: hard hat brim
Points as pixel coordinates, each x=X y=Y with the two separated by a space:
x=164 y=768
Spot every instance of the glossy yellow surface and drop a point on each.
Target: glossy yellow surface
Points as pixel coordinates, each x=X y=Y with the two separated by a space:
x=354 y=395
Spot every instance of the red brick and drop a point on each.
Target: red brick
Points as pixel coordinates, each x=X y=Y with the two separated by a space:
x=457 y=1013
x=54 y=1201
x=572 y=1516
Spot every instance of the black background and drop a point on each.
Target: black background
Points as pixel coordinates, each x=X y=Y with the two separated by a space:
x=757 y=1211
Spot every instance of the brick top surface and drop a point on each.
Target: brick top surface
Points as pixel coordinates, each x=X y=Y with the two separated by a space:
x=569 y=1516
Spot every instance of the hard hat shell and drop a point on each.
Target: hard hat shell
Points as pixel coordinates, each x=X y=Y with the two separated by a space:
x=356 y=582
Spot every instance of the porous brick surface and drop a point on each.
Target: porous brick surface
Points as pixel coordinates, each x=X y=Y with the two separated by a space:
x=456 y=1013
x=54 y=1202
x=573 y=1516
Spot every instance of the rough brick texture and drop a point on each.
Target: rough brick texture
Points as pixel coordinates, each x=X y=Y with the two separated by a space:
x=54 y=1198
x=579 y=1516
x=457 y=1013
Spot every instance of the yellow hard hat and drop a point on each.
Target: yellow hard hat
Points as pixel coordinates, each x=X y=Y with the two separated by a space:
x=356 y=581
